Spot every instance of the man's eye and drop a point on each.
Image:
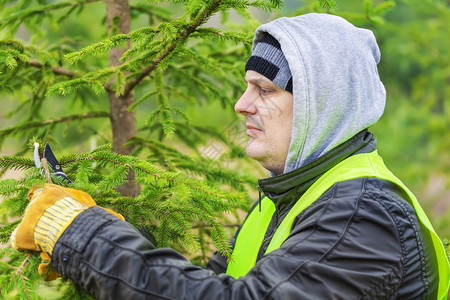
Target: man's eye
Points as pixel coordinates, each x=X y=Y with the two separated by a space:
x=264 y=91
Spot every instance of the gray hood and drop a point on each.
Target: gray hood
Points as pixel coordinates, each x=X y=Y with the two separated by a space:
x=336 y=87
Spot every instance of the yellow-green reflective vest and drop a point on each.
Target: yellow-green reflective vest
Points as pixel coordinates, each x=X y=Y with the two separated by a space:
x=252 y=233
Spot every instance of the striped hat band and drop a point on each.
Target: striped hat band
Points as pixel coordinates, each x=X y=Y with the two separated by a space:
x=267 y=59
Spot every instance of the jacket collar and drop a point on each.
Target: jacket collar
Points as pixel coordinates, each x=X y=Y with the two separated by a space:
x=284 y=190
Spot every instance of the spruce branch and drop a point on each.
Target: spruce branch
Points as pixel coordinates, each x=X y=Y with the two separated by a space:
x=383 y=8
x=273 y=4
x=200 y=166
x=51 y=122
x=157 y=12
x=207 y=62
x=243 y=5
x=164 y=109
x=105 y=45
x=109 y=43
x=211 y=32
x=19 y=270
x=93 y=80
x=142 y=100
x=173 y=44
x=12 y=44
x=145 y=167
x=55 y=70
x=119 y=83
x=220 y=238
x=15 y=162
x=210 y=87
x=8 y=59
x=203 y=225
x=169 y=215
x=20 y=16
x=199 y=20
x=327 y=5
x=5 y=231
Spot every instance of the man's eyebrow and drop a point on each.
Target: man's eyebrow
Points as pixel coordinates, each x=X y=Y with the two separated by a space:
x=259 y=81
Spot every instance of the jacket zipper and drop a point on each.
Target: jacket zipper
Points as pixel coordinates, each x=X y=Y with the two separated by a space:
x=268 y=237
x=259 y=201
x=270 y=231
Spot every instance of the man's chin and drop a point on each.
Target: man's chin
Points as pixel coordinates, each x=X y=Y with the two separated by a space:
x=255 y=152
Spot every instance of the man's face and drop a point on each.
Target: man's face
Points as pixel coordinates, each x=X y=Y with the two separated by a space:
x=269 y=110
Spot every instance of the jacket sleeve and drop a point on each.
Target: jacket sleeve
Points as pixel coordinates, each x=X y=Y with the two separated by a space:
x=347 y=248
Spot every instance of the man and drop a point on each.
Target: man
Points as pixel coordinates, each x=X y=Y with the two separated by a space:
x=334 y=222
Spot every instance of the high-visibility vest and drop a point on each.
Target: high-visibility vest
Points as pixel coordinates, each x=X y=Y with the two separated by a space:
x=251 y=235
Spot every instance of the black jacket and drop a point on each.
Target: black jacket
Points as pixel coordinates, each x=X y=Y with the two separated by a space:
x=359 y=240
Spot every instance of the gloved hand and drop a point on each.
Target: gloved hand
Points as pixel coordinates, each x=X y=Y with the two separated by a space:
x=51 y=210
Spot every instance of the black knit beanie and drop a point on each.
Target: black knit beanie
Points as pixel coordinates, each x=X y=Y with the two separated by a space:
x=267 y=59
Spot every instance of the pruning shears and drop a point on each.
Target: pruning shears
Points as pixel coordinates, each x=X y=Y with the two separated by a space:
x=51 y=159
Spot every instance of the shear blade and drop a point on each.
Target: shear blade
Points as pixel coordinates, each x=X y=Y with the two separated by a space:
x=54 y=163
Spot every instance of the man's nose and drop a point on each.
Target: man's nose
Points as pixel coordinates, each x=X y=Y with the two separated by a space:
x=246 y=104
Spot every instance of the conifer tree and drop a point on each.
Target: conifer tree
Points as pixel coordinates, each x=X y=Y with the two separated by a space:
x=156 y=186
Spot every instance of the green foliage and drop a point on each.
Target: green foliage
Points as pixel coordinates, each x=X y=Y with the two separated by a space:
x=327 y=5
x=15 y=267
x=172 y=198
x=38 y=74
x=59 y=82
x=20 y=280
x=169 y=203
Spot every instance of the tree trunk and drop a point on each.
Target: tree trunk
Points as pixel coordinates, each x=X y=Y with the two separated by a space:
x=123 y=122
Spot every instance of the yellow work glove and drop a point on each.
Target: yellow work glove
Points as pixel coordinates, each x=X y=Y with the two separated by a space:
x=51 y=210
